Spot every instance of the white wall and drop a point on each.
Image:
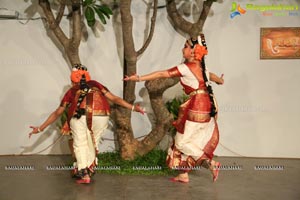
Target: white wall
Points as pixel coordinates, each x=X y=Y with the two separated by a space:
x=259 y=109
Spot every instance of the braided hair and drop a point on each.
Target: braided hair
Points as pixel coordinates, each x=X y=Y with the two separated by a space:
x=84 y=89
x=193 y=43
x=213 y=110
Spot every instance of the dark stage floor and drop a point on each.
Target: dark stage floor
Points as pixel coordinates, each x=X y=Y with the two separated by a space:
x=30 y=178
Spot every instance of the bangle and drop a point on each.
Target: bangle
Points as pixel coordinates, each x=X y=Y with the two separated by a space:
x=138 y=78
x=132 y=109
x=39 y=130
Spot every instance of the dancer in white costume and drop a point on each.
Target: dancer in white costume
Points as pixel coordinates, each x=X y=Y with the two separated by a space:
x=88 y=114
x=197 y=131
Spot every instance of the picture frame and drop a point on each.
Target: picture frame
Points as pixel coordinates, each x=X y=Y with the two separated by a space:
x=280 y=43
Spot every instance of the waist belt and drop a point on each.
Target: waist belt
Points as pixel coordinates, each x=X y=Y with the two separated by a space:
x=199 y=91
x=94 y=113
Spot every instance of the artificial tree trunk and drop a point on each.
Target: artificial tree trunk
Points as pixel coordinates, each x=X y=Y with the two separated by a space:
x=129 y=146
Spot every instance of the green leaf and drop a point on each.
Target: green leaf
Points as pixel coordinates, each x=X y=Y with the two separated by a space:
x=106 y=9
x=91 y=23
x=174 y=104
x=89 y=13
x=101 y=16
x=90 y=16
x=97 y=7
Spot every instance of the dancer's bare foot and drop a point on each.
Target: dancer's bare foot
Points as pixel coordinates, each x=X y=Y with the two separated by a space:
x=215 y=168
x=182 y=178
x=84 y=180
x=84 y=177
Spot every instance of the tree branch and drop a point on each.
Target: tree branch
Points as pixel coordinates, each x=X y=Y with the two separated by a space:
x=45 y=5
x=130 y=57
x=60 y=13
x=177 y=19
x=153 y=19
x=206 y=7
x=126 y=18
x=193 y=29
x=76 y=17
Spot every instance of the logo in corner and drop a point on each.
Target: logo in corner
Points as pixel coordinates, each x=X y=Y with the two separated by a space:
x=236 y=9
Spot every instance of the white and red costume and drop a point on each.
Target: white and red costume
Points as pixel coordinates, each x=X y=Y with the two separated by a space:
x=197 y=133
x=87 y=130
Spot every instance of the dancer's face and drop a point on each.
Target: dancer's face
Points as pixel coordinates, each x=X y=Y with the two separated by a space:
x=187 y=51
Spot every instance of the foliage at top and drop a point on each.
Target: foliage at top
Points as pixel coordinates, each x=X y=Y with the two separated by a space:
x=91 y=9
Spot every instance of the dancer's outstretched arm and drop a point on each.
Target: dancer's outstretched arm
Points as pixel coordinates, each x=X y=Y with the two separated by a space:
x=122 y=102
x=52 y=117
x=218 y=80
x=148 y=77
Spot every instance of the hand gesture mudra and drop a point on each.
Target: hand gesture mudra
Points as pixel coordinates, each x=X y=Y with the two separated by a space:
x=133 y=77
x=221 y=80
x=35 y=130
x=138 y=108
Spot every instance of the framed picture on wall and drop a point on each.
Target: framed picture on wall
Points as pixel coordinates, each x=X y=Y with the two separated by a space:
x=280 y=43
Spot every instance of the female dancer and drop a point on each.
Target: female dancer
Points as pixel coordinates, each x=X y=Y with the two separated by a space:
x=88 y=114
x=197 y=131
